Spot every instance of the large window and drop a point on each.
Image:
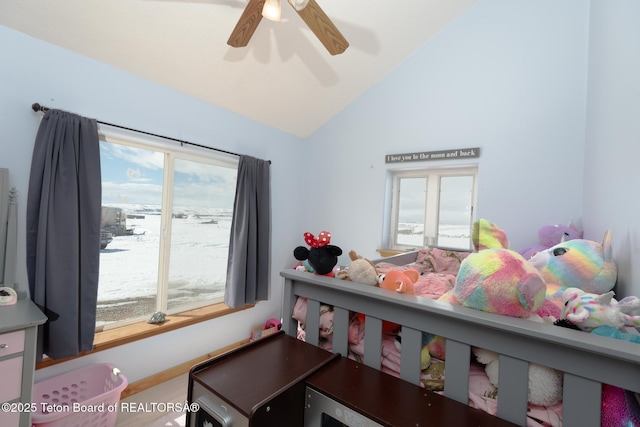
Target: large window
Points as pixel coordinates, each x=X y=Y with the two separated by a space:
x=166 y=220
x=432 y=207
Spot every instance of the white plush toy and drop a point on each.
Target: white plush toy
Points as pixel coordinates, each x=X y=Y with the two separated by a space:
x=361 y=270
x=545 y=384
x=589 y=311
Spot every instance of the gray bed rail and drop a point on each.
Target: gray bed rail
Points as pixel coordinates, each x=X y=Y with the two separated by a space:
x=587 y=360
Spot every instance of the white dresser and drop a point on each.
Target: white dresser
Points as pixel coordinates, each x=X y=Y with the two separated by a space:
x=18 y=331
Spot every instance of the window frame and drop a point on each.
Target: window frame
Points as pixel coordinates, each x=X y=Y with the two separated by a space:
x=431 y=219
x=171 y=150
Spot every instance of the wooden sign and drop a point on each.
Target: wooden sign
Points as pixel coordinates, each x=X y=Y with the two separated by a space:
x=460 y=153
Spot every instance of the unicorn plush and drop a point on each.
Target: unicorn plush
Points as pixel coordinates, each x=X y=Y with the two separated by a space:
x=579 y=263
x=589 y=311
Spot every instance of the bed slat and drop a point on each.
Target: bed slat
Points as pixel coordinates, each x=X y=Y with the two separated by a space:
x=513 y=389
x=340 y=331
x=372 y=342
x=289 y=298
x=410 y=355
x=456 y=385
x=581 y=399
x=312 y=330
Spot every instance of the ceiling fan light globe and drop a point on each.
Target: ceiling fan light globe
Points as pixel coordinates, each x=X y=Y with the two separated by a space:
x=298 y=4
x=271 y=10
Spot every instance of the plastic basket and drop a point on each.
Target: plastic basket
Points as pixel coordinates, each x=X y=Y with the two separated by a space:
x=83 y=397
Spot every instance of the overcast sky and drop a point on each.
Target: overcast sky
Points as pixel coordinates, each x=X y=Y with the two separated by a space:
x=455 y=202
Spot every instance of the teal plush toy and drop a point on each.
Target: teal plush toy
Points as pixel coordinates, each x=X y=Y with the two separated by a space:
x=611 y=332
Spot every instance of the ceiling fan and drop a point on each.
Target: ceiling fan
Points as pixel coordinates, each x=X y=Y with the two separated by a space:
x=309 y=11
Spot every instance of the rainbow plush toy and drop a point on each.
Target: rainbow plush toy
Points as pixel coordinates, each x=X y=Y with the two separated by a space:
x=579 y=263
x=496 y=279
x=486 y=235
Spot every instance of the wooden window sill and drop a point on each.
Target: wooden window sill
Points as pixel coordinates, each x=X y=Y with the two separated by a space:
x=126 y=334
x=389 y=252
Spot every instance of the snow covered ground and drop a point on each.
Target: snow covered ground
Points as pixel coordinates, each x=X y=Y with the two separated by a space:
x=450 y=236
x=197 y=266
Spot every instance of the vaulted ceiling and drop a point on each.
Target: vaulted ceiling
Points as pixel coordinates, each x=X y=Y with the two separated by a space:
x=283 y=78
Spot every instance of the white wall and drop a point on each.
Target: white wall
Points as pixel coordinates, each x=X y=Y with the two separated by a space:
x=613 y=135
x=33 y=71
x=507 y=76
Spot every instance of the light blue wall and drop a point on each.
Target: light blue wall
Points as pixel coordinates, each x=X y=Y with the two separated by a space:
x=507 y=76
x=33 y=71
x=613 y=135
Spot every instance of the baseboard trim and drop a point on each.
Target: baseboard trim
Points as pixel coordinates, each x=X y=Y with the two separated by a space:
x=175 y=371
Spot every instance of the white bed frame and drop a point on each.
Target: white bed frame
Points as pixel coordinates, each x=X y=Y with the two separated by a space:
x=587 y=360
x=8 y=233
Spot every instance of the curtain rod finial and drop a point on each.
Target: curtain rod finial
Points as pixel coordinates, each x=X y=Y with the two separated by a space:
x=37 y=107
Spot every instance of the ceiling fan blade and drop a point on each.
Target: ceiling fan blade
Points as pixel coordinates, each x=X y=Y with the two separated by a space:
x=247 y=24
x=322 y=27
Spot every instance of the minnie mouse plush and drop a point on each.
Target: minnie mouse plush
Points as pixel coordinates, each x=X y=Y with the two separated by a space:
x=321 y=256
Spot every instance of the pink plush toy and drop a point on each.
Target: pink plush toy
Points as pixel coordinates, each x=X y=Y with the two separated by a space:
x=551 y=235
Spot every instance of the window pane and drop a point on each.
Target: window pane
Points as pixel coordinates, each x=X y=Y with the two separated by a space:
x=131 y=202
x=454 y=219
x=202 y=206
x=412 y=203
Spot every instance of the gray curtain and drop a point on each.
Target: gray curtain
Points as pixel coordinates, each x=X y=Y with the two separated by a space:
x=249 y=246
x=63 y=231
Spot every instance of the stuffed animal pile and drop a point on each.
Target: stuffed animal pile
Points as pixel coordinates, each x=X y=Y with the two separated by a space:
x=572 y=279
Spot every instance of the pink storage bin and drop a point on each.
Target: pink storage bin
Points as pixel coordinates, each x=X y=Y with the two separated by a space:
x=87 y=396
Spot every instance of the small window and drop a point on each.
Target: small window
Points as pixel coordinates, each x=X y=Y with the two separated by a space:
x=166 y=221
x=432 y=207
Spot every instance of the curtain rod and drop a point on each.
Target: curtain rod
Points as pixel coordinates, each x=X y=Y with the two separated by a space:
x=37 y=107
